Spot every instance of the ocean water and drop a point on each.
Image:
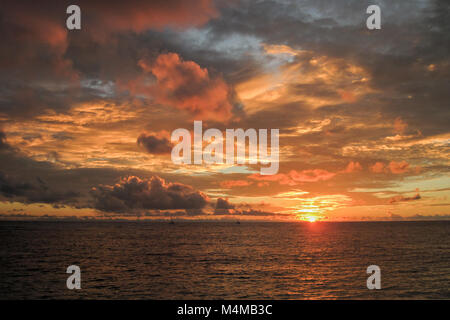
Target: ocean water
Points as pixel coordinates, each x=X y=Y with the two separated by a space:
x=220 y=260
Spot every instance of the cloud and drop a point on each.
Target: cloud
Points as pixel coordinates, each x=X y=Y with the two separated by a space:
x=294 y=177
x=138 y=16
x=420 y=217
x=235 y=183
x=353 y=167
x=311 y=78
x=399 y=126
x=311 y=175
x=3 y=143
x=37 y=192
x=46 y=63
x=224 y=207
x=314 y=84
x=224 y=204
x=134 y=193
x=154 y=144
x=404 y=199
x=378 y=167
x=44 y=21
x=281 y=178
x=62 y=136
x=187 y=86
x=398 y=167
x=393 y=166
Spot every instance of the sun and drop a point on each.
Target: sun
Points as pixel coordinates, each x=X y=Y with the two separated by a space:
x=311 y=219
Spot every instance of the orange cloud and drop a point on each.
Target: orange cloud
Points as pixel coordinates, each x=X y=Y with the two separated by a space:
x=400 y=126
x=393 y=166
x=138 y=16
x=281 y=178
x=398 y=167
x=347 y=96
x=353 y=167
x=41 y=33
x=187 y=86
x=404 y=199
x=235 y=183
x=377 y=167
x=311 y=175
x=345 y=82
x=294 y=177
x=262 y=184
x=34 y=26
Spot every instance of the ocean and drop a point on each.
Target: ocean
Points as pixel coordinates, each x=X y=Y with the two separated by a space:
x=223 y=260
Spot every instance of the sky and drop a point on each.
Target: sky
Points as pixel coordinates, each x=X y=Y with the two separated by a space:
x=86 y=115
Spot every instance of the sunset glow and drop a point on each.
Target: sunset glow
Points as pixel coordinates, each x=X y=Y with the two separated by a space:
x=86 y=118
x=312 y=219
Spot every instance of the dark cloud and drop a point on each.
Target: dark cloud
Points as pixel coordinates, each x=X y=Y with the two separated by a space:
x=153 y=144
x=62 y=136
x=33 y=192
x=3 y=143
x=31 y=136
x=20 y=184
x=224 y=204
x=137 y=16
x=41 y=66
x=133 y=193
x=404 y=199
x=224 y=207
x=420 y=217
x=407 y=60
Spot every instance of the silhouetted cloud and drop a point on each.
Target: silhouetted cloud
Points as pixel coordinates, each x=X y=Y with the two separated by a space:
x=153 y=144
x=37 y=192
x=223 y=206
x=134 y=193
x=404 y=199
x=3 y=143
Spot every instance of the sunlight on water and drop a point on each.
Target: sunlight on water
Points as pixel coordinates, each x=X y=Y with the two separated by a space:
x=132 y=260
